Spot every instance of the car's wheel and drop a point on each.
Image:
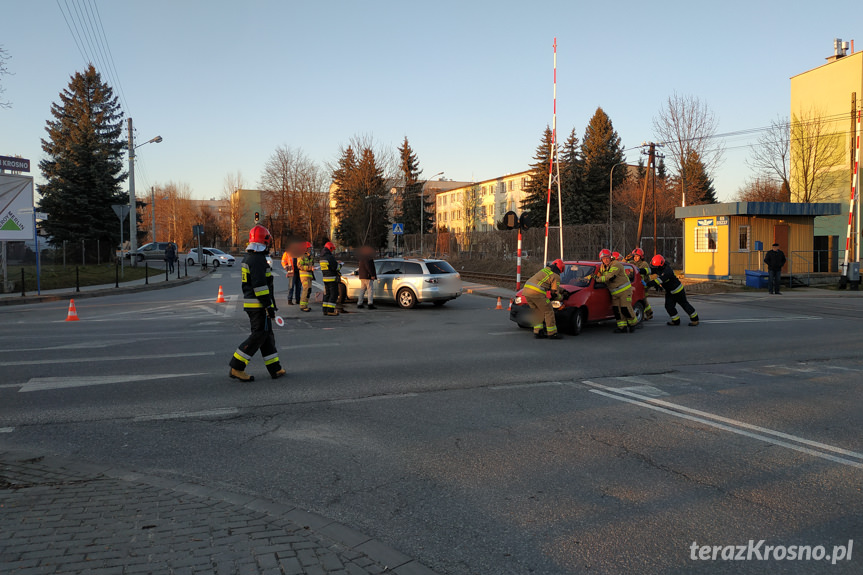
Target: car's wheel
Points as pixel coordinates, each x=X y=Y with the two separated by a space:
x=406 y=298
x=216 y=263
x=578 y=322
x=440 y=302
x=639 y=311
x=190 y=261
x=140 y=258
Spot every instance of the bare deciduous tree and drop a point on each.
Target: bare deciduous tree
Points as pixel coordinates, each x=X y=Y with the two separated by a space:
x=175 y=213
x=772 y=153
x=685 y=125
x=232 y=183
x=816 y=150
x=762 y=189
x=4 y=71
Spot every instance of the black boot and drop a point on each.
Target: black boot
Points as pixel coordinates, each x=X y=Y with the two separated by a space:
x=673 y=322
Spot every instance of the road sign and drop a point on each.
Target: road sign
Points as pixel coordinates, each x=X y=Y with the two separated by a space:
x=16 y=207
x=398 y=229
x=14 y=164
x=122 y=210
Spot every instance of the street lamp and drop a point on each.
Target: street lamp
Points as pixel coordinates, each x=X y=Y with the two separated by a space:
x=133 y=217
x=610 y=189
x=423 y=209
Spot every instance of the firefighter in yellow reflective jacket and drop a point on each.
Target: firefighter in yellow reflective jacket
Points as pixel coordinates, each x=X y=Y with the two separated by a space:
x=331 y=277
x=613 y=275
x=306 y=263
x=637 y=257
x=536 y=291
x=260 y=305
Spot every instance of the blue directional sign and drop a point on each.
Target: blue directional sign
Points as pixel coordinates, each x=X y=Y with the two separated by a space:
x=398 y=229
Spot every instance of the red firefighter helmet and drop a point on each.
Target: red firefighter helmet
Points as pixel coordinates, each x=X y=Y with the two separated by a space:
x=259 y=235
x=604 y=254
x=559 y=265
x=658 y=261
x=308 y=245
x=638 y=252
x=615 y=255
x=330 y=246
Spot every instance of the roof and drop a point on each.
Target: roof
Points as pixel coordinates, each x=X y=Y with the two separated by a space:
x=759 y=209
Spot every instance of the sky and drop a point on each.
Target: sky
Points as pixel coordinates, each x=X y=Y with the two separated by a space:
x=469 y=83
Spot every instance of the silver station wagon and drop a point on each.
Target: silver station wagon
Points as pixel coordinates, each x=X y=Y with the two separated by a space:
x=408 y=281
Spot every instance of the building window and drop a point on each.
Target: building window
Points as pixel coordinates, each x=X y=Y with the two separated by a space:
x=482 y=212
x=502 y=208
x=523 y=183
x=491 y=210
x=743 y=238
x=509 y=185
x=705 y=239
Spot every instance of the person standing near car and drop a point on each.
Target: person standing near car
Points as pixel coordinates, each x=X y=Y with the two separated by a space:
x=674 y=293
x=306 y=266
x=170 y=256
x=637 y=257
x=775 y=260
x=292 y=272
x=259 y=302
x=536 y=291
x=330 y=273
x=368 y=277
x=613 y=275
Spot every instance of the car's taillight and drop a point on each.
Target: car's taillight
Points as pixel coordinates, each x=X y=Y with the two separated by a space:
x=431 y=280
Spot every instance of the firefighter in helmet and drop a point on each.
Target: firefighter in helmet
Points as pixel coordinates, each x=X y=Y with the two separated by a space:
x=331 y=277
x=674 y=293
x=260 y=304
x=306 y=263
x=637 y=257
x=536 y=291
x=613 y=275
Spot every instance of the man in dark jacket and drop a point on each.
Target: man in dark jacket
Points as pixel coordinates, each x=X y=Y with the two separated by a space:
x=331 y=277
x=774 y=259
x=170 y=256
x=368 y=277
x=260 y=305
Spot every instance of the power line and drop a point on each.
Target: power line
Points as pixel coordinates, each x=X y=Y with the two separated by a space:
x=81 y=52
x=111 y=58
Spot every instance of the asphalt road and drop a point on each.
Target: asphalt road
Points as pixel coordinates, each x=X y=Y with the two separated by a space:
x=460 y=440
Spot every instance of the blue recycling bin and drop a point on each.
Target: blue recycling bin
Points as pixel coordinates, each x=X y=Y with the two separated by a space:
x=756 y=279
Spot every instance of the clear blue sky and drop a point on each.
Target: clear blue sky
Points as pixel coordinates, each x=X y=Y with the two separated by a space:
x=468 y=82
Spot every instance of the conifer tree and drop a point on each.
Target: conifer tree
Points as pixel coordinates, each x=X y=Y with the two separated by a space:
x=571 y=181
x=84 y=163
x=360 y=196
x=698 y=184
x=536 y=190
x=412 y=193
x=600 y=150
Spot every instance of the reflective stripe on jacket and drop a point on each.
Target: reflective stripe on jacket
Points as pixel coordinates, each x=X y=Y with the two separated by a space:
x=665 y=277
x=614 y=277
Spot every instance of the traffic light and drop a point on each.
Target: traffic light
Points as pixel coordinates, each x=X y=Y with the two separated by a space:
x=510 y=220
x=257 y=217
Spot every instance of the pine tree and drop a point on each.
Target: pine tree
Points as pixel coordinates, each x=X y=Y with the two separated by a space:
x=412 y=193
x=698 y=185
x=348 y=205
x=360 y=196
x=84 y=163
x=571 y=181
x=536 y=190
x=600 y=150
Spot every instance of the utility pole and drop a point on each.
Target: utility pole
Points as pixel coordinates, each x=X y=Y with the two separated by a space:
x=133 y=218
x=651 y=154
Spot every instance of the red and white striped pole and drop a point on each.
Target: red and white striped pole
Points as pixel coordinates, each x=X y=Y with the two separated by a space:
x=518 y=266
x=551 y=156
x=855 y=187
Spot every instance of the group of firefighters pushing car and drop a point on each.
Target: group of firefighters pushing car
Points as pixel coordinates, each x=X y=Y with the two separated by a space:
x=544 y=287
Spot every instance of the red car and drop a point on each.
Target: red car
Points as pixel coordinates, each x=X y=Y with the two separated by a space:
x=587 y=302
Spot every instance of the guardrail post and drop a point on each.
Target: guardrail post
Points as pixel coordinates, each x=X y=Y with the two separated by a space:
x=178 y=269
x=146 y=273
x=186 y=267
x=166 y=270
x=22 y=283
x=77 y=280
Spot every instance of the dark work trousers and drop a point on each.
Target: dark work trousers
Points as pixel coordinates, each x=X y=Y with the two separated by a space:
x=331 y=295
x=343 y=295
x=262 y=338
x=296 y=287
x=774 y=278
x=672 y=300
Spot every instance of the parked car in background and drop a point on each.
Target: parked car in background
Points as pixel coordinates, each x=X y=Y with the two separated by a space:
x=210 y=257
x=587 y=301
x=408 y=281
x=151 y=251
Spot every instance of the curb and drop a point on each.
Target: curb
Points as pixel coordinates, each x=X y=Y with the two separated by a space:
x=19 y=300
x=392 y=560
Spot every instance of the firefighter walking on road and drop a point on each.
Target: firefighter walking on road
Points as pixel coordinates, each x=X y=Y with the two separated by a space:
x=260 y=305
x=306 y=263
x=613 y=275
x=330 y=273
x=674 y=293
x=637 y=257
x=536 y=291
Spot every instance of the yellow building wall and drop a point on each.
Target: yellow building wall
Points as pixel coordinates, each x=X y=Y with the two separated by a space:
x=705 y=264
x=799 y=249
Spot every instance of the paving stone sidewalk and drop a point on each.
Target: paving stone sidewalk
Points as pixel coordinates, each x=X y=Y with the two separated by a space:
x=60 y=516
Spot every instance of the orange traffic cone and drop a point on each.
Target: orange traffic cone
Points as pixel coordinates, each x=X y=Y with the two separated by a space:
x=73 y=313
x=221 y=298
x=509 y=307
x=498 y=304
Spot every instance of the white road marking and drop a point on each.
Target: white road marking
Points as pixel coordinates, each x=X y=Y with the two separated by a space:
x=705 y=418
x=7 y=429
x=46 y=383
x=219 y=411
x=310 y=345
x=79 y=345
x=216 y=276
x=761 y=319
x=526 y=385
x=114 y=358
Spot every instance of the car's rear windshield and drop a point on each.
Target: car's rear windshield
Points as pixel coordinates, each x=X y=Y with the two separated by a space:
x=575 y=275
x=439 y=268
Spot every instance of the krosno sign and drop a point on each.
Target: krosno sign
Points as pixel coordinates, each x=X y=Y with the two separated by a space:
x=14 y=164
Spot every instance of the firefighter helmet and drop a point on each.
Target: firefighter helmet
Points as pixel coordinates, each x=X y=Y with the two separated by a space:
x=638 y=252
x=559 y=265
x=604 y=254
x=658 y=261
x=330 y=246
x=615 y=255
x=308 y=245
x=259 y=235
